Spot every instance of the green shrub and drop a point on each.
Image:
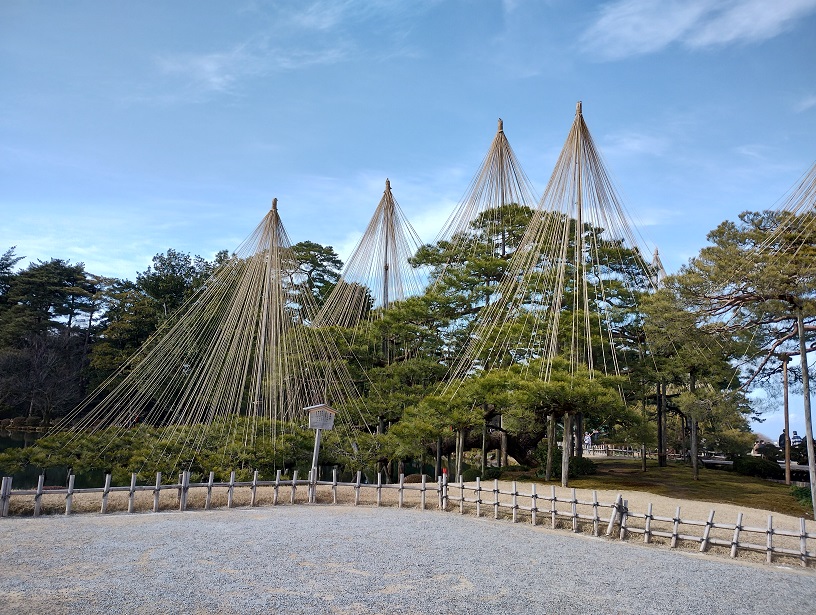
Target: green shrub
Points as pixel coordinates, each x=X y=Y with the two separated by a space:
x=802 y=494
x=492 y=473
x=471 y=474
x=578 y=466
x=759 y=467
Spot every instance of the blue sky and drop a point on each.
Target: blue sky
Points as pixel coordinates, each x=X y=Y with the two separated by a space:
x=128 y=128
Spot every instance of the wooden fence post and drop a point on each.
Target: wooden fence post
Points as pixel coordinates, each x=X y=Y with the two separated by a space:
x=254 y=500
x=553 y=500
x=803 y=540
x=624 y=517
x=615 y=510
x=38 y=495
x=379 y=488
x=444 y=492
x=401 y=490
x=231 y=489
x=574 y=504
x=334 y=485
x=422 y=492
x=647 y=531
x=495 y=498
x=357 y=487
x=533 y=503
x=769 y=541
x=5 y=496
x=735 y=539
x=515 y=502
x=69 y=498
x=157 y=492
x=132 y=492
x=675 y=528
x=185 y=489
x=276 y=487
x=707 y=532
x=478 y=496
x=105 y=492
x=208 y=500
x=294 y=486
x=596 y=518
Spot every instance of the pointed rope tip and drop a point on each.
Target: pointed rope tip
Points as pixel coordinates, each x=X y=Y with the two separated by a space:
x=275 y=205
x=579 y=108
x=387 y=184
x=501 y=125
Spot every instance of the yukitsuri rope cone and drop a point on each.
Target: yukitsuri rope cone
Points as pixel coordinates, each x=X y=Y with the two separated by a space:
x=240 y=353
x=377 y=273
x=577 y=262
x=499 y=192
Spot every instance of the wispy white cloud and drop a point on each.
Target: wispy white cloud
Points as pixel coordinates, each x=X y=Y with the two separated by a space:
x=221 y=72
x=635 y=27
x=634 y=143
x=809 y=102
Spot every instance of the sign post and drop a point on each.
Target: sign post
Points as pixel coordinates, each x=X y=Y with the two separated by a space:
x=321 y=417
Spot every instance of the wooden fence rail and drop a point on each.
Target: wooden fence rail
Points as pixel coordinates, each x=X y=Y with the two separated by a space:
x=619 y=520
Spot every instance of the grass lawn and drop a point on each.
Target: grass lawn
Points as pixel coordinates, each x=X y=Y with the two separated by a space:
x=675 y=481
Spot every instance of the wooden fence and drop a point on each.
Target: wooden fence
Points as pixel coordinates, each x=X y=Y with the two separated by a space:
x=612 y=519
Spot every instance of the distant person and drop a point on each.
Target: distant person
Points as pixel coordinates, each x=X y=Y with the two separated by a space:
x=782 y=440
x=796 y=439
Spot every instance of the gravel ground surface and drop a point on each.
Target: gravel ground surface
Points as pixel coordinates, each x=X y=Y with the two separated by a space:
x=338 y=559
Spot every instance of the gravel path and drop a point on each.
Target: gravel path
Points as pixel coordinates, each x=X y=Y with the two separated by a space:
x=326 y=559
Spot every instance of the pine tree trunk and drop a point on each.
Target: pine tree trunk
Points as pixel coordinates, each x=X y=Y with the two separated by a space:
x=565 y=453
x=550 y=445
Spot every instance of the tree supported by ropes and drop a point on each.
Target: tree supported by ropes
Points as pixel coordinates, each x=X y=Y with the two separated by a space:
x=240 y=351
x=378 y=272
x=577 y=264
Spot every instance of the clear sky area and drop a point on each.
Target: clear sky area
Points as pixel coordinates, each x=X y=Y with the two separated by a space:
x=127 y=128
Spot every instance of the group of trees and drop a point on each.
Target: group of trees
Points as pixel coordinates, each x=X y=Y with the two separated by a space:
x=687 y=353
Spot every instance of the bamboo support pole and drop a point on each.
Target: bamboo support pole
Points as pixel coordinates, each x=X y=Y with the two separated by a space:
x=803 y=541
x=357 y=488
x=276 y=487
x=231 y=489
x=401 y=490
x=294 y=486
x=3 y=508
x=334 y=485
x=379 y=488
x=553 y=511
x=254 y=499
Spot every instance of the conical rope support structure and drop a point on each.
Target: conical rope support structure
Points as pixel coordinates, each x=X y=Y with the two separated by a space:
x=378 y=273
x=239 y=354
x=577 y=268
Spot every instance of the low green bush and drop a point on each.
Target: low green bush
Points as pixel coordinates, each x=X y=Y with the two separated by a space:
x=759 y=467
x=802 y=494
